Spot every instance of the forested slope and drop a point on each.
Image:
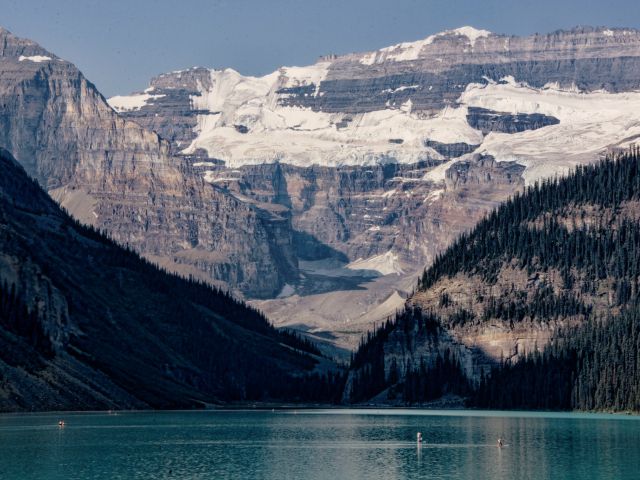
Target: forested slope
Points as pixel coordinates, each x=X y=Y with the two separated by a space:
x=86 y=324
x=536 y=307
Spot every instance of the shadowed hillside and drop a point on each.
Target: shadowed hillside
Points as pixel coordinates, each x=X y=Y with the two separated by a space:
x=86 y=324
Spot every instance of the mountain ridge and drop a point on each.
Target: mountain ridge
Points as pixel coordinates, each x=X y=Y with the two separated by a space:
x=252 y=120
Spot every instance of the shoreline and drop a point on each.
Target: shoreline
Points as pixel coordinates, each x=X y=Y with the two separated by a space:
x=266 y=407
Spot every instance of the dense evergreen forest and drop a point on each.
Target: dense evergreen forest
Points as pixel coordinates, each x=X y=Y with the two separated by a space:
x=586 y=228
x=592 y=367
x=594 y=251
x=418 y=383
x=260 y=383
x=16 y=318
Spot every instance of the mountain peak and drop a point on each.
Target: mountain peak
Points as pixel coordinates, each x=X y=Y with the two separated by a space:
x=14 y=46
x=411 y=50
x=470 y=32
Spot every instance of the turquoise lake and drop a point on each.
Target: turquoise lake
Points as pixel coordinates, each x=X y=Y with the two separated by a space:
x=319 y=444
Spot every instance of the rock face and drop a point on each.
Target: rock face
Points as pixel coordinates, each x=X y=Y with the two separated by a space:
x=435 y=70
x=355 y=212
x=451 y=150
x=60 y=127
x=170 y=94
x=107 y=330
x=489 y=121
x=116 y=175
x=386 y=221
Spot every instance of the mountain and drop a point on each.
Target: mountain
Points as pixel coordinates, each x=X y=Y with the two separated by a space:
x=86 y=324
x=381 y=159
x=322 y=189
x=441 y=97
x=117 y=176
x=536 y=307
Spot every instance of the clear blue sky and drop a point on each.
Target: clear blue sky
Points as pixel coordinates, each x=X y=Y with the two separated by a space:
x=119 y=44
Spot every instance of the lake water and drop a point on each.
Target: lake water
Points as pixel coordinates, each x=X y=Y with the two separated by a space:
x=319 y=444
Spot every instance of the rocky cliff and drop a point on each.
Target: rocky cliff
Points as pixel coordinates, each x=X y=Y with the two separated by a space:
x=120 y=177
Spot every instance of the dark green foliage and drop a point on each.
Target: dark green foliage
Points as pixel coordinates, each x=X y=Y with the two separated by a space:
x=367 y=363
x=592 y=367
x=544 y=306
x=372 y=344
x=314 y=388
x=597 y=252
x=172 y=285
x=430 y=382
x=136 y=335
x=16 y=317
x=293 y=339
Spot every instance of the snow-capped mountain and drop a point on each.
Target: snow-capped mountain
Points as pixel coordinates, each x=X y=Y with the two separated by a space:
x=382 y=158
x=402 y=103
x=322 y=188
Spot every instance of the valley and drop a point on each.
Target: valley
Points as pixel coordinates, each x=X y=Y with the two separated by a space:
x=386 y=157
x=317 y=195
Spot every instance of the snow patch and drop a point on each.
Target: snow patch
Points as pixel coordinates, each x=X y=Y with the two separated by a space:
x=128 y=103
x=34 y=58
x=400 y=89
x=204 y=164
x=209 y=176
x=303 y=137
x=301 y=76
x=590 y=123
x=368 y=58
x=403 y=52
x=473 y=34
x=385 y=264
